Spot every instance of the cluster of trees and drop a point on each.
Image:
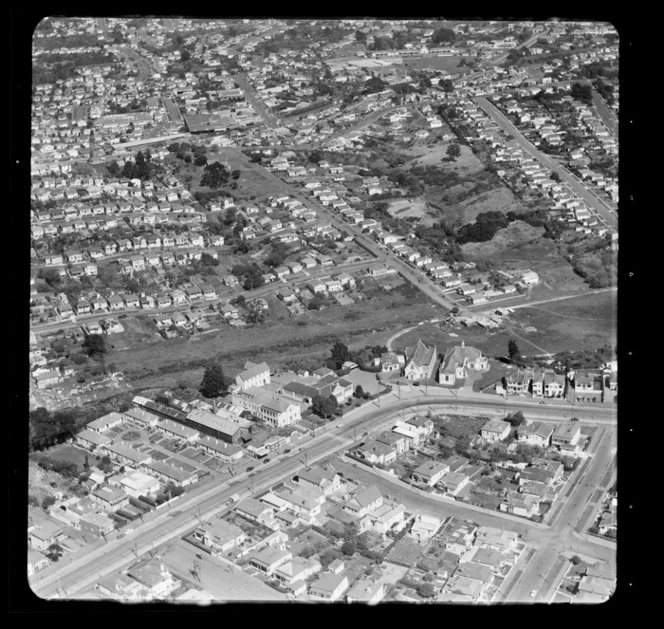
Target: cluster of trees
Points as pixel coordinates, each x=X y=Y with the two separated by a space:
x=484 y=228
x=599 y=270
x=604 y=90
x=189 y=153
x=48 y=429
x=443 y=35
x=67 y=469
x=582 y=92
x=215 y=175
x=142 y=167
x=324 y=407
x=278 y=253
x=588 y=358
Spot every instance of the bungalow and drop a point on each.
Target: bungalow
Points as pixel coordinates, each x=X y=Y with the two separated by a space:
x=536 y=434
x=227 y=452
x=91 y=440
x=566 y=435
x=454 y=482
x=172 y=473
x=364 y=500
x=110 y=498
x=219 y=535
x=255 y=511
x=156 y=578
x=296 y=570
x=392 y=362
x=106 y=422
x=365 y=591
x=325 y=479
x=495 y=430
x=376 y=452
x=430 y=472
x=268 y=559
x=329 y=587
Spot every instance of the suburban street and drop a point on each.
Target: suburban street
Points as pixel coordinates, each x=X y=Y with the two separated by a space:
x=256 y=102
x=607 y=114
x=599 y=207
x=186 y=512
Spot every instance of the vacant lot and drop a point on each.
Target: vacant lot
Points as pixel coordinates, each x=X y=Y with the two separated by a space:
x=407 y=208
x=279 y=340
x=444 y=64
x=585 y=322
x=458 y=426
x=520 y=240
x=406 y=552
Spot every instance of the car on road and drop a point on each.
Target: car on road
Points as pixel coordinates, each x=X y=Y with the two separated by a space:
x=340 y=425
x=532 y=593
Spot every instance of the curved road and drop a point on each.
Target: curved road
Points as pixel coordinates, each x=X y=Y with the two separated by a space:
x=70 y=579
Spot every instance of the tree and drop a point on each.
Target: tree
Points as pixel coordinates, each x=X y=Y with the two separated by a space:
x=105 y=465
x=447 y=85
x=54 y=552
x=349 y=548
x=454 y=150
x=114 y=169
x=213 y=384
x=359 y=391
x=426 y=590
x=340 y=354
x=200 y=160
x=360 y=36
x=513 y=351
x=47 y=501
x=555 y=176
x=515 y=419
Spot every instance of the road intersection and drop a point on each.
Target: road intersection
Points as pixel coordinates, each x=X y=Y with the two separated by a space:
x=67 y=580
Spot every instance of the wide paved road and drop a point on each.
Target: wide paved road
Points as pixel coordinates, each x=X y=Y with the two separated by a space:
x=256 y=101
x=599 y=207
x=580 y=501
x=204 y=501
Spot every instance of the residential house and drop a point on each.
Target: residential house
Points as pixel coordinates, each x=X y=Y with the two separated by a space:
x=430 y=472
x=219 y=535
x=495 y=430
x=420 y=361
x=268 y=559
x=156 y=578
x=536 y=434
x=329 y=587
x=458 y=361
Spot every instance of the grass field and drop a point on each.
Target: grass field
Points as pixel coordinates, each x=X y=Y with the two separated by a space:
x=444 y=64
x=407 y=208
x=586 y=322
x=278 y=340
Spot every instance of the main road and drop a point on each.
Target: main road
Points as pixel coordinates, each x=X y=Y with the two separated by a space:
x=600 y=208
x=255 y=100
x=70 y=579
